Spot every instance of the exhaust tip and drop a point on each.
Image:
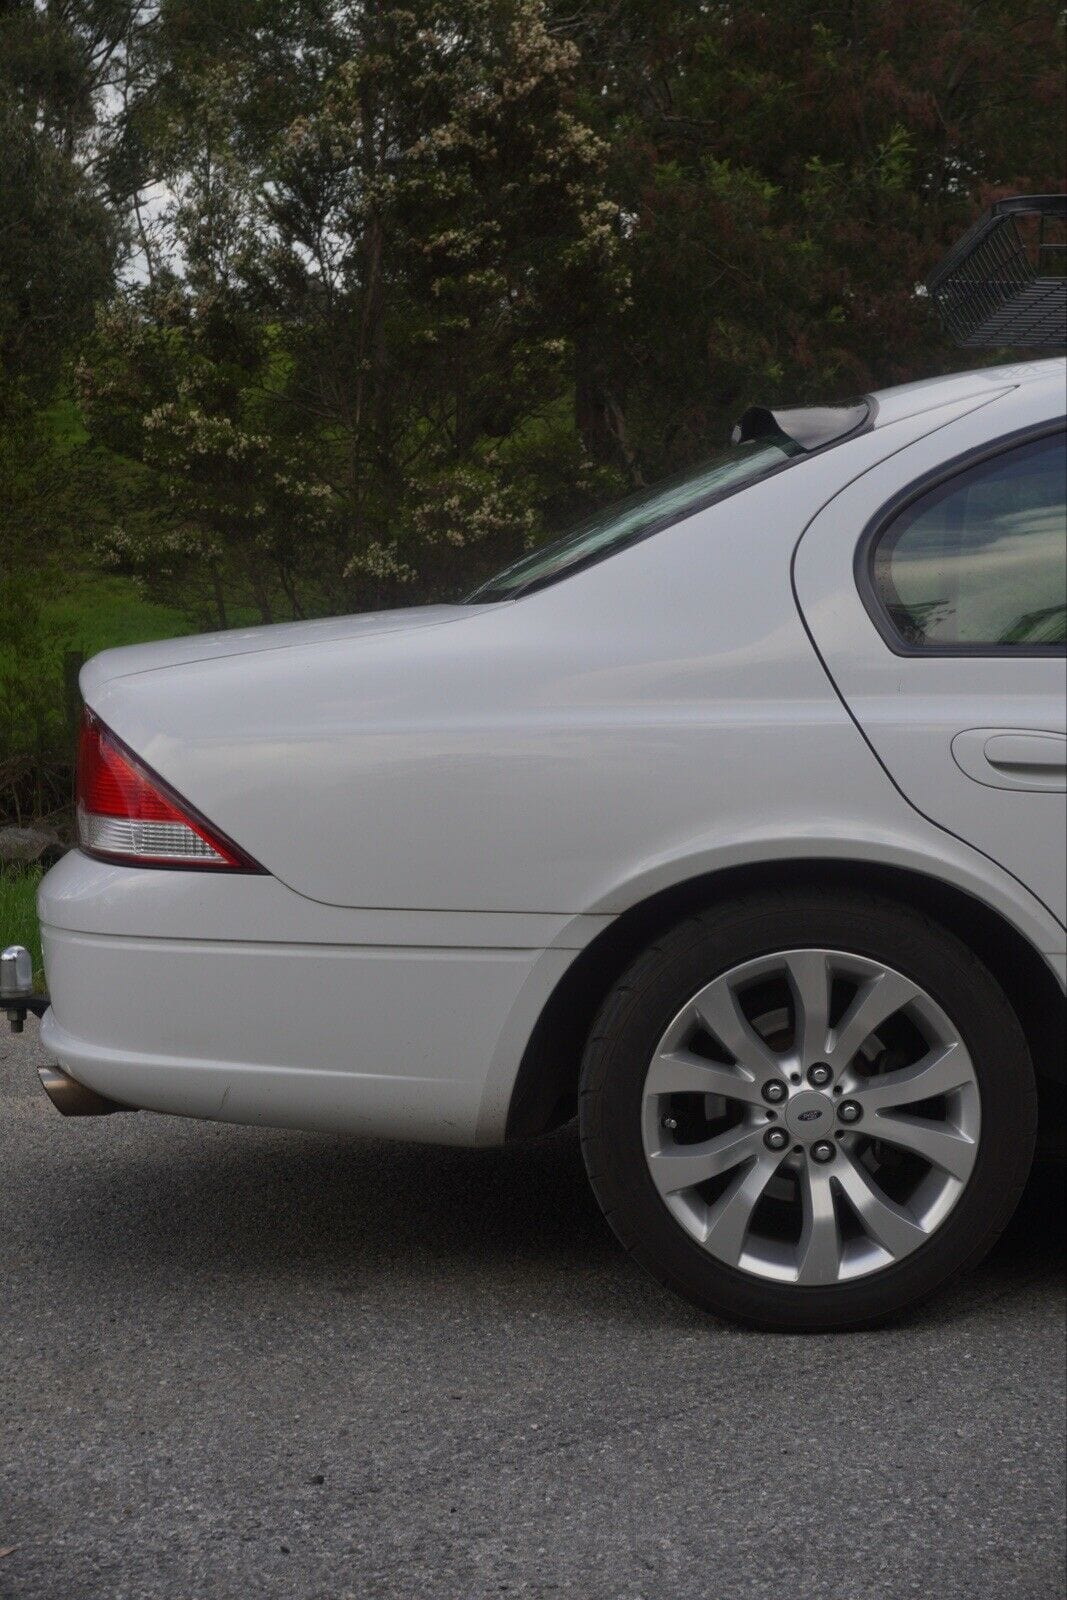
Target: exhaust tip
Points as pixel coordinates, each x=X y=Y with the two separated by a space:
x=73 y=1099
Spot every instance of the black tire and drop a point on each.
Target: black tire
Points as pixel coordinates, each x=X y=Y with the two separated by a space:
x=672 y=970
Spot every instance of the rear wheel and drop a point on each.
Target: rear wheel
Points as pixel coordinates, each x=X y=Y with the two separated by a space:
x=807 y=1111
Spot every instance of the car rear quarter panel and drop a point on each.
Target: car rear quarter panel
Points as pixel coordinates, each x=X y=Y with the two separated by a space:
x=544 y=755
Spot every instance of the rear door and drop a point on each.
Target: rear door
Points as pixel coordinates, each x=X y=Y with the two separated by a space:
x=935 y=590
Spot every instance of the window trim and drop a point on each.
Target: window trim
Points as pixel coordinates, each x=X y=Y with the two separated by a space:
x=886 y=515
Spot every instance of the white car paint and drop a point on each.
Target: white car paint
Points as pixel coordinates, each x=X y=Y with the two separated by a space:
x=451 y=802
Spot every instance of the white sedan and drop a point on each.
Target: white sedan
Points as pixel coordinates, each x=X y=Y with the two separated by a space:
x=733 y=822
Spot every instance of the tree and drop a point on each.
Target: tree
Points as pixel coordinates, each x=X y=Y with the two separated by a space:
x=58 y=239
x=790 y=173
x=391 y=235
x=57 y=234
x=412 y=280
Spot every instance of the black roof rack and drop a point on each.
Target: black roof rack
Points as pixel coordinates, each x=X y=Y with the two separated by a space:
x=993 y=289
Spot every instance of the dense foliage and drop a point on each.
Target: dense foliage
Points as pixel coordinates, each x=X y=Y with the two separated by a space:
x=327 y=304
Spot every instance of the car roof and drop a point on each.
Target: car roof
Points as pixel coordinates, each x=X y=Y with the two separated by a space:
x=908 y=399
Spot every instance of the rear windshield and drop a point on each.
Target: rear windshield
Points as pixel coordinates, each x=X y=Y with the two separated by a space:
x=640 y=514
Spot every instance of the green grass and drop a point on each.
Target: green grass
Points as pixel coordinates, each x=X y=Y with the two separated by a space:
x=91 y=611
x=18 y=913
x=95 y=612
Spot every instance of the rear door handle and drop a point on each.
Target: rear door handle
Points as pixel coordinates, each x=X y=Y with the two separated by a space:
x=1013 y=758
x=1027 y=750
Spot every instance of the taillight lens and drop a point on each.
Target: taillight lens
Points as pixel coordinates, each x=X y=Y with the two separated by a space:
x=126 y=813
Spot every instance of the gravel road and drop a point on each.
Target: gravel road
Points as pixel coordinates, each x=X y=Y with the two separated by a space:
x=239 y=1363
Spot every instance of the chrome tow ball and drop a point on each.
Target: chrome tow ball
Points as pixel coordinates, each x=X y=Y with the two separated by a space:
x=16 y=987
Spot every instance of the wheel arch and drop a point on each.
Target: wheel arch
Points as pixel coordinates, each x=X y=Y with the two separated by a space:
x=545 y=1092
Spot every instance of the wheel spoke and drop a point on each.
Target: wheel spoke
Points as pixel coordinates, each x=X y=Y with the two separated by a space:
x=684 y=1165
x=884 y=1221
x=819 y=1250
x=682 y=1072
x=729 y=1217
x=809 y=979
x=875 y=1003
x=943 y=1147
x=938 y=1073
x=718 y=1010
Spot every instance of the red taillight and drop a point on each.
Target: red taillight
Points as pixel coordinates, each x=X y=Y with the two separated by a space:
x=126 y=813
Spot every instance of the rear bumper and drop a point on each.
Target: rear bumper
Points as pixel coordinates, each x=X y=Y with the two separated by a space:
x=359 y=1040
x=277 y=1019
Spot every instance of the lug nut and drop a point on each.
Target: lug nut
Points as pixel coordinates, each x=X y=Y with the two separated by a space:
x=823 y=1150
x=774 y=1091
x=670 y=1123
x=776 y=1138
x=820 y=1074
x=849 y=1111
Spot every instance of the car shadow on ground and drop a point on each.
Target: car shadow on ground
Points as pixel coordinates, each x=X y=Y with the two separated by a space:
x=263 y=1196
x=211 y=1198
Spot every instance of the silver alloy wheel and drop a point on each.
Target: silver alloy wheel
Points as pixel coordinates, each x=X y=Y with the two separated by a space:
x=879 y=1147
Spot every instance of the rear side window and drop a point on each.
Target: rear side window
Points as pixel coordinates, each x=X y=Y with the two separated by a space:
x=980 y=562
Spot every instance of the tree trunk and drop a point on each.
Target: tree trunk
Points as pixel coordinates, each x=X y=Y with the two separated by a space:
x=599 y=414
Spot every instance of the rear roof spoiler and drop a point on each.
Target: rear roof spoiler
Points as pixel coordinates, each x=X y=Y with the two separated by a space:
x=807 y=426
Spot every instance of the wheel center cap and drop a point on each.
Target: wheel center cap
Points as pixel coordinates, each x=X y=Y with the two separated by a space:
x=809 y=1115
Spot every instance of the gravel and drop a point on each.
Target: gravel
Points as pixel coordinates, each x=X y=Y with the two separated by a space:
x=241 y=1363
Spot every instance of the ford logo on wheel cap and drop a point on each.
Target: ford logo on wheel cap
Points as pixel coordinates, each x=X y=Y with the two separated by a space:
x=809 y=1116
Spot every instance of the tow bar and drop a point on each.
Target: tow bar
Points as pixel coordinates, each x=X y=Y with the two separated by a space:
x=16 y=987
